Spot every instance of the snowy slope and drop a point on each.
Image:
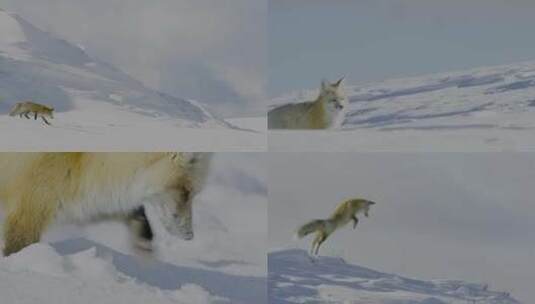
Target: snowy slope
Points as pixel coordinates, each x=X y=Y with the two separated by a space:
x=491 y=108
x=38 y=274
x=95 y=102
x=37 y=66
x=294 y=278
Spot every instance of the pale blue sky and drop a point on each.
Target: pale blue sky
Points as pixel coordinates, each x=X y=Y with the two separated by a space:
x=369 y=40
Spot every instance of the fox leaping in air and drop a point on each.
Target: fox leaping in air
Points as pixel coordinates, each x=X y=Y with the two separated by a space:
x=344 y=213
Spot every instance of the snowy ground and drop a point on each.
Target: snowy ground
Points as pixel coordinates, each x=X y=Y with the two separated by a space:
x=295 y=278
x=98 y=107
x=109 y=128
x=485 y=109
x=224 y=263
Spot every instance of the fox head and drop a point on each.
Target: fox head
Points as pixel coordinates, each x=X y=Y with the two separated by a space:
x=50 y=112
x=362 y=205
x=175 y=207
x=333 y=95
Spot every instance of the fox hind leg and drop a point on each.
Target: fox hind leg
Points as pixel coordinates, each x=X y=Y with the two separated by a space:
x=25 y=114
x=318 y=240
x=21 y=229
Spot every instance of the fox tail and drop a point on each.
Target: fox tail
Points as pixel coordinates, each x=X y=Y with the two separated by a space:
x=310 y=227
x=15 y=110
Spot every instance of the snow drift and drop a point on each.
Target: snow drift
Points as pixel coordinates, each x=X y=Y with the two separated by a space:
x=294 y=278
x=38 y=274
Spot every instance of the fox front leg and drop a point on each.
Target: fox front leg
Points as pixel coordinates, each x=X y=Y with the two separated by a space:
x=26 y=114
x=140 y=229
x=44 y=119
x=355 y=221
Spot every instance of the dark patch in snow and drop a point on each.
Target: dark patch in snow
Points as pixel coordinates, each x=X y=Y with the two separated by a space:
x=401 y=116
x=448 y=82
x=517 y=85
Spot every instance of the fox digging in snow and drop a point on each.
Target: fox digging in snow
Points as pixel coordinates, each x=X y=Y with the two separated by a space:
x=345 y=212
x=323 y=113
x=28 y=107
x=37 y=189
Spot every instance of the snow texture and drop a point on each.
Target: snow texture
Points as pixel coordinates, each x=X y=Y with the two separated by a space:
x=296 y=278
x=484 y=109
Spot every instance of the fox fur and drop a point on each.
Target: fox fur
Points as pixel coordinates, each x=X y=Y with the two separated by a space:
x=323 y=113
x=37 y=189
x=27 y=107
x=344 y=213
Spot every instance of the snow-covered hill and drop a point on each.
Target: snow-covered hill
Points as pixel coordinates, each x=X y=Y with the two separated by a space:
x=295 y=278
x=491 y=108
x=95 y=102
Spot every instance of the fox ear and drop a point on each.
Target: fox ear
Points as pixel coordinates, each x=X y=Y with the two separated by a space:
x=324 y=84
x=337 y=84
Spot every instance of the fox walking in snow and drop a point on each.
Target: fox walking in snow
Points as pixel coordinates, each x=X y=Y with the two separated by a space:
x=37 y=189
x=325 y=112
x=344 y=213
x=28 y=107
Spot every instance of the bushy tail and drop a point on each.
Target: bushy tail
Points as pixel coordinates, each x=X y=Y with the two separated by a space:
x=310 y=227
x=15 y=110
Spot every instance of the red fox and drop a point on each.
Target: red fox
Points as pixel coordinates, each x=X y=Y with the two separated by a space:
x=345 y=212
x=325 y=112
x=28 y=107
x=37 y=189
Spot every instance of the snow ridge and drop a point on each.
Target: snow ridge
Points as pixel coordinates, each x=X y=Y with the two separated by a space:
x=295 y=278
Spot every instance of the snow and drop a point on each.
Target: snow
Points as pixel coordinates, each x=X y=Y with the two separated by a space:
x=38 y=274
x=224 y=263
x=484 y=109
x=296 y=278
x=97 y=106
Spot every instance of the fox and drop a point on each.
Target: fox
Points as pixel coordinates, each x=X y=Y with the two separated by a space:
x=38 y=189
x=344 y=212
x=325 y=112
x=27 y=107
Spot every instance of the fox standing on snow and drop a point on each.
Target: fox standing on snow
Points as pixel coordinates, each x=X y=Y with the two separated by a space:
x=28 y=107
x=37 y=189
x=344 y=213
x=325 y=112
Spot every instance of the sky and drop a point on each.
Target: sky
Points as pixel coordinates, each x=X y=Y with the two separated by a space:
x=438 y=215
x=372 y=40
x=212 y=51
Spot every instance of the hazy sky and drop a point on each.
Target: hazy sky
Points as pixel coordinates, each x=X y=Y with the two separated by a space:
x=371 y=40
x=209 y=50
x=438 y=215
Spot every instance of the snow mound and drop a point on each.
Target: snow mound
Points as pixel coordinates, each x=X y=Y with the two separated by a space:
x=38 y=274
x=37 y=66
x=295 y=278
